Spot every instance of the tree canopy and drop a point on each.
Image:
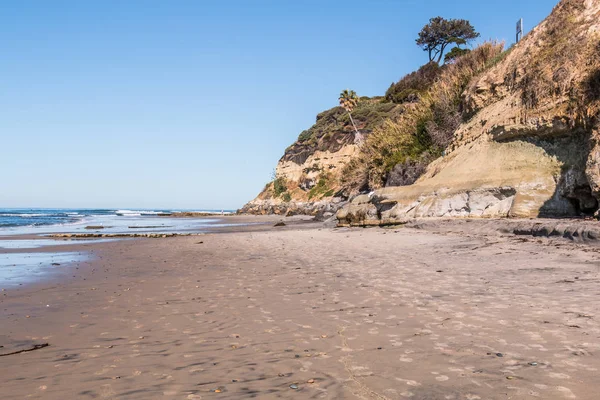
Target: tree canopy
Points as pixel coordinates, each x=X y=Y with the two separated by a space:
x=453 y=54
x=348 y=99
x=441 y=32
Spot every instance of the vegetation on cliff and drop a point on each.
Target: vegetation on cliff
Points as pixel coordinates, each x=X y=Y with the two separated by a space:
x=412 y=86
x=437 y=100
x=376 y=120
x=348 y=101
x=332 y=131
x=333 y=128
x=440 y=33
x=528 y=143
x=404 y=145
x=550 y=79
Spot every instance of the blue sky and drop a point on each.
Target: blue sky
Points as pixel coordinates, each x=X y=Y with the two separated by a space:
x=190 y=104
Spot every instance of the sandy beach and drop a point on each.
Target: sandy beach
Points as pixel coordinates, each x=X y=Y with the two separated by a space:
x=310 y=312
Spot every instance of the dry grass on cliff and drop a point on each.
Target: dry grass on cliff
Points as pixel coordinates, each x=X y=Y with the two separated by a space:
x=420 y=133
x=411 y=86
x=561 y=62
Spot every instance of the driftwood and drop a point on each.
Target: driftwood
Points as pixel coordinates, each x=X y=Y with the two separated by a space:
x=35 y=347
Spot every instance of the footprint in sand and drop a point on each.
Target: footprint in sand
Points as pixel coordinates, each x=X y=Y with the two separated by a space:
x=409 y=382
x=566 y=392
x=558 y=375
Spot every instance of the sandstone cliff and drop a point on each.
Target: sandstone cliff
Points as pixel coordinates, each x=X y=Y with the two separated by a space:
x=528 y=142
x=498 y=133
x=308 y=176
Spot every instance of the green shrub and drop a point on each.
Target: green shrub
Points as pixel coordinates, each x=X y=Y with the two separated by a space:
x=455 y=53
x=414 y=83
x=327 y=121
x=304 y=136
x=321 y=188
x=314 y=168
x=372 y=113
x=286 y=196
x=279 y=186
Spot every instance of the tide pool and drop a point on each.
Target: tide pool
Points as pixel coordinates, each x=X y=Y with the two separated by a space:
x=21 y=268
x=37 y=243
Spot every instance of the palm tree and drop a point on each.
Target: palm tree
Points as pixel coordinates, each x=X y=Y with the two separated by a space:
x=348 y=100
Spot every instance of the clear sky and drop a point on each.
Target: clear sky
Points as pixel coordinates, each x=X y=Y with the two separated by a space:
x=190 y=104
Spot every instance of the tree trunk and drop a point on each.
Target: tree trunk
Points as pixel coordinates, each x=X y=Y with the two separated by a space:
x=357 y=135
x=441 y=52
x=352 y=120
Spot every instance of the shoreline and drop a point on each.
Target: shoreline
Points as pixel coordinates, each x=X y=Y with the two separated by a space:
x=305 y=311
x=106 y=221
x=34 y=261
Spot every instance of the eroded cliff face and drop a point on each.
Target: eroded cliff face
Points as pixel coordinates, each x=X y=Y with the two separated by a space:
x=307 y=177
x=308 y=187
x=529 y=146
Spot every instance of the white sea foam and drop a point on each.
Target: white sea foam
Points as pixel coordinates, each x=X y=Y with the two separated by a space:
x=66 y=221
x=136 y=213
x=23 y=215
x=206 y=212
x=78 y=222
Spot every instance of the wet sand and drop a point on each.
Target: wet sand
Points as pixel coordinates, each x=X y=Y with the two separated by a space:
x=311 y=313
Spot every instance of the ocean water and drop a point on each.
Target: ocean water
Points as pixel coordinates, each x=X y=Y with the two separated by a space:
x=11 y=217
x=17 y=221
x=21 y=264
x=17 y=269
x=37 y=243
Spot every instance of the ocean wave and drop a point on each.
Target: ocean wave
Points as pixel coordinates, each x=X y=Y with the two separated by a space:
x=24 y=215
x=208 y=211
x=31 y=225
x=137 y=213
x=80 y=221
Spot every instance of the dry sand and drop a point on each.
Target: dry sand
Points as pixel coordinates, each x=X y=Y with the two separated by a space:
x=312 y=313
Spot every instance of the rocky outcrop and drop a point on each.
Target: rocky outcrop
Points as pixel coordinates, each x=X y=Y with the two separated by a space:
x=579 y=230
x=121 y=235
x=322 y=210
x=308 y=172
x=530 y=146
